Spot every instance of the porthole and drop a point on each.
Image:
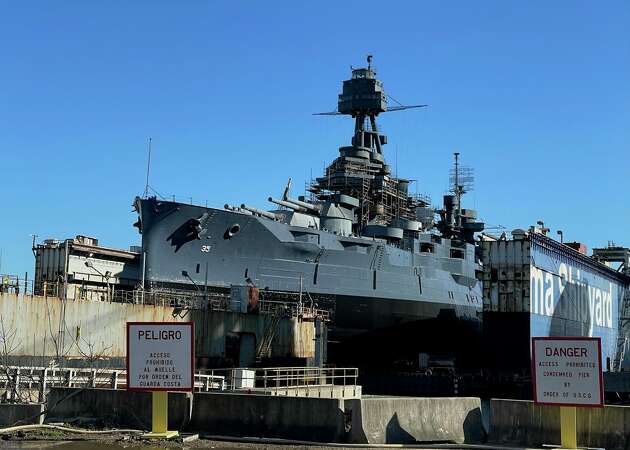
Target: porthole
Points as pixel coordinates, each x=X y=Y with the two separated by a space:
x=233 y=230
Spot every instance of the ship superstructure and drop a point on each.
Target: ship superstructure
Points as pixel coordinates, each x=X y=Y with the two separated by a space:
x=361 y=244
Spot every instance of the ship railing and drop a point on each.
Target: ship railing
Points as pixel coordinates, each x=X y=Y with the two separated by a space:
x=293 y=309
x=424 y=198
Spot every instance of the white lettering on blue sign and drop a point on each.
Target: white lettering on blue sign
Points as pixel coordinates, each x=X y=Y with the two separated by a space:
x=571 y=292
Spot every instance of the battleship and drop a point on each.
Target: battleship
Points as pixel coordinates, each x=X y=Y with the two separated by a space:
x=360 y=243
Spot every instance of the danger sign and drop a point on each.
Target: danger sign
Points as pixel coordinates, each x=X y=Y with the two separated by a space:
x=160 y=356
x=567 y=371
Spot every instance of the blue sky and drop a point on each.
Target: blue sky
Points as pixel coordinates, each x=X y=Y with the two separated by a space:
x=535 y=95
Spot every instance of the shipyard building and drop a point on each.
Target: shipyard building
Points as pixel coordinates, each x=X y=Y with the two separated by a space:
x=536 y=286
x=79 y=268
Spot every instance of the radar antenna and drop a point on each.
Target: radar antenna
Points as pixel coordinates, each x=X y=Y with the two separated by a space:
x=364 y=99
x=462 y=180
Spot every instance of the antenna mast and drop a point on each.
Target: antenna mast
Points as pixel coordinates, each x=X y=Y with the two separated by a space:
x=462 y=180
x=146 y=186
x=458 y=192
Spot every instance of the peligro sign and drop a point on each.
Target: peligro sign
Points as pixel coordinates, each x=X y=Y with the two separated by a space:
x=567 y=371
x=160 y=356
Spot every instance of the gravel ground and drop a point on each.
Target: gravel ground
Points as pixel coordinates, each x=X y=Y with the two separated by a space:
x=52 y=439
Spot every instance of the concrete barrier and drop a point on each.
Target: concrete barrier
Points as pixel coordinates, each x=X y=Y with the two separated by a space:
x=521 y=422
x=373 y=420
x=252 y=415
x=116 y=407
x=11 y=414
x=403 y=420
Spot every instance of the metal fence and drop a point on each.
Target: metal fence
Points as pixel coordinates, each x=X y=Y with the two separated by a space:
x=25 y=382
x=14 y=284
x=15 y=380
x=292 y=381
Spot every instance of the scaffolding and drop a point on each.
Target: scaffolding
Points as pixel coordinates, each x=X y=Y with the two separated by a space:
x=380 y=196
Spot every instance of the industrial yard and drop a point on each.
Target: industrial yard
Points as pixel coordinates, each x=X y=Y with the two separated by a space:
x=222 y=229
x=260 y=352
x=293 y=344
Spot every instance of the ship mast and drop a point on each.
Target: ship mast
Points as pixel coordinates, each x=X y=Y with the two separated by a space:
x=360 y=171
x=458 y=223
x=458 y=190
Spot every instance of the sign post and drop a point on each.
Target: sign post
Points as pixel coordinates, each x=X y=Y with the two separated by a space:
x=568 y=427
x=160 y=358
x=567 y=372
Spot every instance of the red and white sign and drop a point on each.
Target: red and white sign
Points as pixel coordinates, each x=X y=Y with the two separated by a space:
x=567 y=371
x=160 y=356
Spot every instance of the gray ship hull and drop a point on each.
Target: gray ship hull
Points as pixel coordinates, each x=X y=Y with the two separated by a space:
x=370 y=284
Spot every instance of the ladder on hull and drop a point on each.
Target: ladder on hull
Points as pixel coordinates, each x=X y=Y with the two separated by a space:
x=264 y=349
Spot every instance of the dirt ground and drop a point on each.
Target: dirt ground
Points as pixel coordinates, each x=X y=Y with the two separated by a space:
x=52 y=439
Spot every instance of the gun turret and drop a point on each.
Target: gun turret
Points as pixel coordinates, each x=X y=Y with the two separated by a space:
x=288 y=205
x=260 y=212
x=313 y=208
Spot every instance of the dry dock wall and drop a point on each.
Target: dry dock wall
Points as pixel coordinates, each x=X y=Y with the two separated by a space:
x=521 y=423
x=39 y=329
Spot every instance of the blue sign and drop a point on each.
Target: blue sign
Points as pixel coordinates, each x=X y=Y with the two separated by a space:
x=568 y=298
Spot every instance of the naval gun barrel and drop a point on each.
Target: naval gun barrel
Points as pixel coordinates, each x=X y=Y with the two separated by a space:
x=305 y=205
x=288 y=205
x=260 y=212
x=236 y=209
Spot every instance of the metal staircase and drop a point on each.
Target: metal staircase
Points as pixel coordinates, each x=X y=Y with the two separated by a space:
x=264 y=349
x=615 y=254
x=365 y=200
x=623 y=339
